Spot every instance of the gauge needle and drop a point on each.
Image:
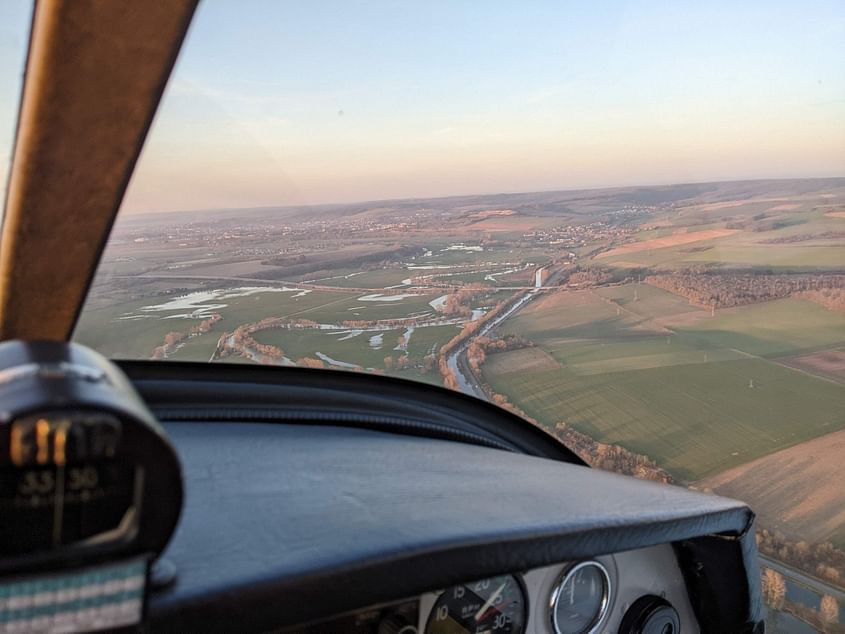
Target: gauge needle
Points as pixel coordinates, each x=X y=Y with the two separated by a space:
x=489 y=602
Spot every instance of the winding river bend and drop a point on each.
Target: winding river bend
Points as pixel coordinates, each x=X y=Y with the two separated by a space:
x=457 y=361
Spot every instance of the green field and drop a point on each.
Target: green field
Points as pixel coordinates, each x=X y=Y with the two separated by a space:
x=698 y=396
x=199 y=348
x=557 y=316
x=356 y=350
x=476 y=258
x=674 y=353
x=355 y=278
x=646 y=300
x=838 y=538
x=424 y=340
x=772 y=329
x=105 y=330
x=695 y=420
x=791 y=257
x=748 y=249
x=359 y=349
x=445 y=277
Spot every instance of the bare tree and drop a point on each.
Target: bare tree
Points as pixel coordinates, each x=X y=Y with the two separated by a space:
x=310 y=362
x=829 y=610
x=774 y=589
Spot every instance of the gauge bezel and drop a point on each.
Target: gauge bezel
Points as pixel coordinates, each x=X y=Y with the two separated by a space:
x=557 y=588
x=520 y=582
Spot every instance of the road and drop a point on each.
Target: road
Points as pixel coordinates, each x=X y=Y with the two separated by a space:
x=796 y=576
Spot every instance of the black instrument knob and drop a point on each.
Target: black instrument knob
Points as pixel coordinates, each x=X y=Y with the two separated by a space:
x=651 y=615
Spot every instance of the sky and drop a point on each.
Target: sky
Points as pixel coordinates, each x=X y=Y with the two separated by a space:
x=15 y=16
x=280 y=103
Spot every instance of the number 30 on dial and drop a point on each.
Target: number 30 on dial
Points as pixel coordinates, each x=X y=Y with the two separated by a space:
x=490 y=606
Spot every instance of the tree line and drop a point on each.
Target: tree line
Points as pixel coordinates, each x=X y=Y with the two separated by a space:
x=722 y=290
x=824 y=560
x=805 y=237
x=470 y=328
x=174 y=338
x=831 y=298
x=479 y=348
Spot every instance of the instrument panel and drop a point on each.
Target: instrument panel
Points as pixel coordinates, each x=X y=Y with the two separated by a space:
x=630 y=592
x=634 y=592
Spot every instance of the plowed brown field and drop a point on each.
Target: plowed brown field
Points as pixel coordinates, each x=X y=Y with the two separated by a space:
x=798 y=491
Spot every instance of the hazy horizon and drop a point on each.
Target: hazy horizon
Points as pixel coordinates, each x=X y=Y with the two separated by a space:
x=567 y=190
x=290 y=105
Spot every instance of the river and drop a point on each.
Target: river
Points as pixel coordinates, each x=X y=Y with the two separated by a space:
x=457 y=360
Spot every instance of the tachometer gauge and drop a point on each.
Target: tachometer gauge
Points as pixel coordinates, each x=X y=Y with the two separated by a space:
x=489 y=606
x=580 y=599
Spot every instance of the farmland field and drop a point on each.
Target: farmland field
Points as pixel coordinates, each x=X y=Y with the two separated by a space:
x=770 y=329
x=647 y=301
x=559 y=315
x=670 y=240
x=791 y=488
x=698 y=396
x=356 y=347
x=141 y=330
x=788 y=258
x=702 y=245
x=694 y=419
x=829 y=363
x=354 y=278
x=367 y=349
x=199 y=348
x=144 y=323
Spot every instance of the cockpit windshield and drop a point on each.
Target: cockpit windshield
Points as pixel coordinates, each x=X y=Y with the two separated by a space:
x=624 y=221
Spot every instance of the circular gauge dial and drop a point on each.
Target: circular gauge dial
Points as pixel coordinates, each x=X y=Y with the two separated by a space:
x=493 y=606
x=580 y=599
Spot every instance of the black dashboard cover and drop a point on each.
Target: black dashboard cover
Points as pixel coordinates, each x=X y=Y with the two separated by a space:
x=310 y=514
